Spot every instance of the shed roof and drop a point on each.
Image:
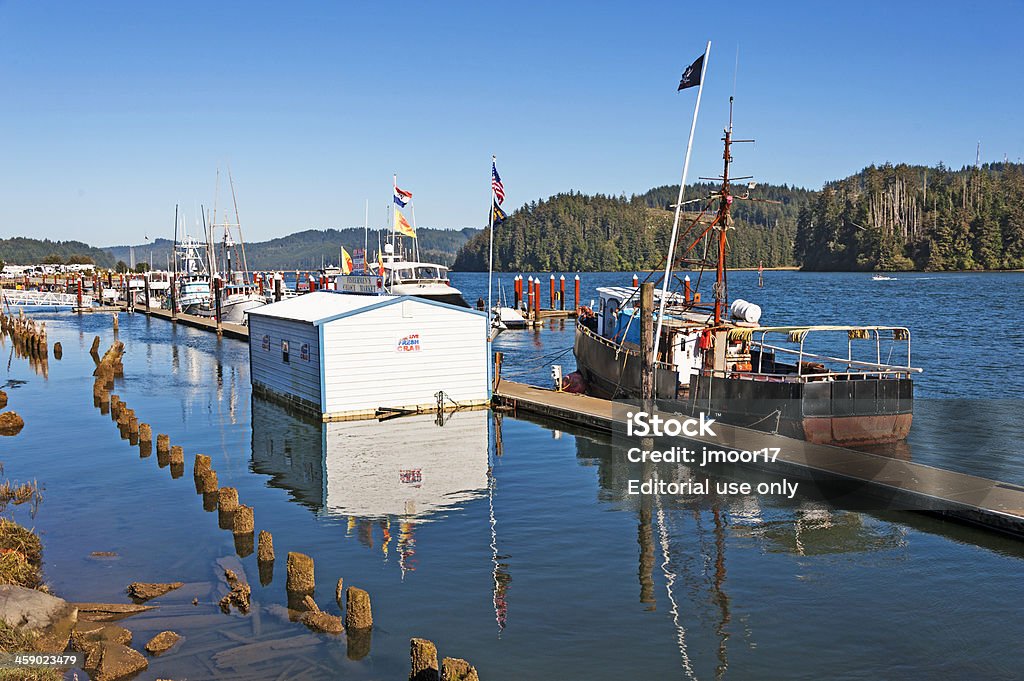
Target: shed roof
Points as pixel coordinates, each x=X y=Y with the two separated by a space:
x=320 y=307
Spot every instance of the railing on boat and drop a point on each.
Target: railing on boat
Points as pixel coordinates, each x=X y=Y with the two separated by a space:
x=798 y=334
x=618 y=347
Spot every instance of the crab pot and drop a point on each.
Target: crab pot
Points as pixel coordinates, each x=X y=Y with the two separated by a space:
x=300 y=574
x=357 y=609
x=423 y=660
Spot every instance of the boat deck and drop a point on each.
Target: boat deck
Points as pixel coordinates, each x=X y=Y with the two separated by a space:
x=903 y=484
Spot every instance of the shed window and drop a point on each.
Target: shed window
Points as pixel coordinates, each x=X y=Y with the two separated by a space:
x=284 y=352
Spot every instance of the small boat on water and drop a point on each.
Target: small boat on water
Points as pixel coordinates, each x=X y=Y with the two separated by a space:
x=882 y=277
x=396 y=276
x=717 y=358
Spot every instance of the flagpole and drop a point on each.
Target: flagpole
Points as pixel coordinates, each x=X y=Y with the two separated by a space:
x=416 y=239
x=679 y=206
x=490 y=248
x=366 y=231
x=393 y=209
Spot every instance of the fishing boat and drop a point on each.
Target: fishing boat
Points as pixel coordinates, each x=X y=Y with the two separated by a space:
x=717 y=358
x=192 y=278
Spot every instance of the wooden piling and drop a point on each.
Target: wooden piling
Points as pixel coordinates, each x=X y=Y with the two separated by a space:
x=227 y=499
x=357 y=609
x=58 y=350
x=245 y=522
x=209 y=482
x=300 y=573
x=456 y=669
x=163 y=442
x=498 y=356
x=647 y=341
x=227 y=504
x=423 y=660
x=145 y=433
x=339 y=594
x=177 y=455
x=201 y=465
x=561 y=291
x=265 y=550
x=576 y=292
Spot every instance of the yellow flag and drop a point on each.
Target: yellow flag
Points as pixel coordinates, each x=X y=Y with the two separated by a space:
x=402 y=226
x=346 y=262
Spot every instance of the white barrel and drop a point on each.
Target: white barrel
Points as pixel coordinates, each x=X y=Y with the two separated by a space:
x=745 y=312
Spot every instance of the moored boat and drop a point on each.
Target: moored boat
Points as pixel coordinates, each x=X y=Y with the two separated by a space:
x=719 y=359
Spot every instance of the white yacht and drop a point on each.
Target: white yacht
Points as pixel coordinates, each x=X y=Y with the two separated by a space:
x=396 y=276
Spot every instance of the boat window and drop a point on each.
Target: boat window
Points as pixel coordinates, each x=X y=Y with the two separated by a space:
x=427 y=273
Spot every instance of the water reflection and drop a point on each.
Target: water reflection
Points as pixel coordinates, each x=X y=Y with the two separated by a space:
x=682 y=543
x=373 y=474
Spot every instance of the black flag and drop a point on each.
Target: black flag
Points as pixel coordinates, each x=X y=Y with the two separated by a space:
x=691 y=76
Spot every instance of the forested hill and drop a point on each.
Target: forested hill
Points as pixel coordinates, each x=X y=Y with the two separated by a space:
x=307 y=249
x=912 y=217
x=576 y=232
x=26 y=251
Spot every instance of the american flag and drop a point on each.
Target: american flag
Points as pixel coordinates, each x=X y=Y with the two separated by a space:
x=496 y=186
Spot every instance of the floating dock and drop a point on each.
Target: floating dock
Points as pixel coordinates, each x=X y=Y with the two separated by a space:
x=966 y=498
x=236 y=331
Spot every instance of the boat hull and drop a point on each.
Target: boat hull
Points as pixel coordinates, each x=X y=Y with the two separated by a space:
x=841 y=412
x=613 y=372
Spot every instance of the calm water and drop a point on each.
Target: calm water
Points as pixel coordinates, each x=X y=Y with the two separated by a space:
x=544 y=568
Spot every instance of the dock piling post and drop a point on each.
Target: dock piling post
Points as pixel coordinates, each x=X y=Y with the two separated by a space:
x=551 y=292
x=217 y=302
x=423 y=660
x=577 y=293
x=358 y=614
x=647 y=341
x=497 y=371
x=561 y=291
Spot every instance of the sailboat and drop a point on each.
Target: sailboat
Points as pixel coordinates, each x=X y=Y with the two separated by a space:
x=239 y=293
x=717 y=358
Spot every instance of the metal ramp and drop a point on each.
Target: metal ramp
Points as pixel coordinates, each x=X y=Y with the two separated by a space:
x=45 y=299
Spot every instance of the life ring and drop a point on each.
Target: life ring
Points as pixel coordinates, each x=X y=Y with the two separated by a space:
x=380 y=283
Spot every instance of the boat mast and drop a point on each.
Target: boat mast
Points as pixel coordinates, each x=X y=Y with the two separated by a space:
x=725 y=201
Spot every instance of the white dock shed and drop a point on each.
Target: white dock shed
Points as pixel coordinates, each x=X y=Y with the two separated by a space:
x=341 y=356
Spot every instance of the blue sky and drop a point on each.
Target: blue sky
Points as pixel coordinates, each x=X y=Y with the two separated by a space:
x=113 y=112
